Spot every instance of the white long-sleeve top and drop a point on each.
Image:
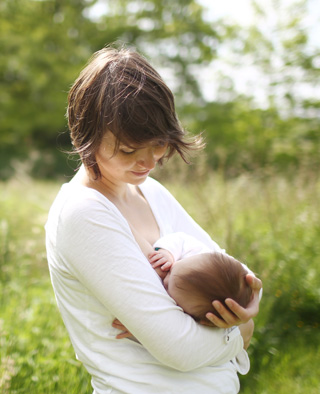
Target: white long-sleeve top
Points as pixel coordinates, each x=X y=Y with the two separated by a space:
x=99 y=273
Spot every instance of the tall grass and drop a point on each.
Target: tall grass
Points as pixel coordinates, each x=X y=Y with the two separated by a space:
x=272 y=224
x=36 y=354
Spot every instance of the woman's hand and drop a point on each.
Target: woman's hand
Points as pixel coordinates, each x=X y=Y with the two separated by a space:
x=125 y=333
x=240 y=315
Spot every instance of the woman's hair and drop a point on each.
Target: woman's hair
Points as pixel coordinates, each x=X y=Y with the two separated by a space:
x=217 y=278
x=119 y=91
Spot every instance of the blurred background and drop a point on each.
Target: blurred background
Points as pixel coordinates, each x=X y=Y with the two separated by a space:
x=246 y=74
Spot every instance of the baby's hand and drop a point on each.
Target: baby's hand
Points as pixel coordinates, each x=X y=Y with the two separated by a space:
x=161 y=258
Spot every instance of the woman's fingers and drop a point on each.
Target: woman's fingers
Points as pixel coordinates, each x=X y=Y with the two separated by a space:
x=252 y=309
x=124 y=334
x=238 y=314
x=215 y=321
x=228 y=319
x=244 y=314
x=254 y=282
x=118 y=325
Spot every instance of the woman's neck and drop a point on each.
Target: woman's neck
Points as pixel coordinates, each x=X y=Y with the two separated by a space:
x=114 y=191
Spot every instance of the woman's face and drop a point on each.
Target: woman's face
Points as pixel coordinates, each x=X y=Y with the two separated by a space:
x=128 y=165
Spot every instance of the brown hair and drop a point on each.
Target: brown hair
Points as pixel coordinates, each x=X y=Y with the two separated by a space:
x=119 y=91
x=217 y=278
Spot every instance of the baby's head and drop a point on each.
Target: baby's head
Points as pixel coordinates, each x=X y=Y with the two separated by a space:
x=194 y=282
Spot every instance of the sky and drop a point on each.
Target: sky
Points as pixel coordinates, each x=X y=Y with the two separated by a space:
x=241 y=11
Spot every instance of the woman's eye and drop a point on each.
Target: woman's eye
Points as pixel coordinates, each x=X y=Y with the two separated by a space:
x=127 y=152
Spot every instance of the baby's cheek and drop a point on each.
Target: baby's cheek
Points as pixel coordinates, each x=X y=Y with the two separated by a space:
x=166 y=280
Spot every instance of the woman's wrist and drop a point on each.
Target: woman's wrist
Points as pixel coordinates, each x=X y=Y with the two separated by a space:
x=246 y=330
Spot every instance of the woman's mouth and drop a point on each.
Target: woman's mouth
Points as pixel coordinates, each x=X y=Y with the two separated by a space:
x=141 y=173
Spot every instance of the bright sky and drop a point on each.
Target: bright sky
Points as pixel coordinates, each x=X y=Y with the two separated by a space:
x=239 y=10
x=247 y=78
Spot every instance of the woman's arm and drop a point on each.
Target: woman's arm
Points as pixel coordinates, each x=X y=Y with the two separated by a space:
x=98 y=248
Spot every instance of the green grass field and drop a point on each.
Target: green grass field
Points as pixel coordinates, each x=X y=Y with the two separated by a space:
x=272 y=224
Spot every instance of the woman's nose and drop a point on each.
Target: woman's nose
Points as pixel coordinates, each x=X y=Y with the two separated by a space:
x=148 y=158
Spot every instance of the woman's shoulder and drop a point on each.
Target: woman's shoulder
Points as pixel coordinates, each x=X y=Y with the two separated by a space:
x=76 y=202
x=79 y=195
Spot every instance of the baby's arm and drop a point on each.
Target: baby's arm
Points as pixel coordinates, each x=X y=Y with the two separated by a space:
x=173 y=247
x=167 y=250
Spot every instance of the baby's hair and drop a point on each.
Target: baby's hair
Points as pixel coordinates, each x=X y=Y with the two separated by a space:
x=119 y=91
x=217 y=278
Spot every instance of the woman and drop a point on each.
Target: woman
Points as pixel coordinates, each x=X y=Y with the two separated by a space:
x=122 y=122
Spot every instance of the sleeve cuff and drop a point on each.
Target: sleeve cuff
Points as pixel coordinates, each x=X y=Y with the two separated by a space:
x=242 y=362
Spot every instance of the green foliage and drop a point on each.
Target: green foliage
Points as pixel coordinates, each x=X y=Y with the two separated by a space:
x=291 y=371
x=270 y=223
x=40 y=55
x=240 y=138
x=36 y=354
x=44 y=44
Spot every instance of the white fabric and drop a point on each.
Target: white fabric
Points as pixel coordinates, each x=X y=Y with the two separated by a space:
x=98 y=273
x=182 y=245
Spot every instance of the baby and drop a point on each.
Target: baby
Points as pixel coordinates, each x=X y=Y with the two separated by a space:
x=194 y=275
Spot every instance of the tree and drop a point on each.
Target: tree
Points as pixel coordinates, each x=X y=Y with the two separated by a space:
x=46 y=43
x=275 y=59
x=173 y=34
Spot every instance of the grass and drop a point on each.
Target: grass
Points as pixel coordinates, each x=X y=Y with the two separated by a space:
x=272 y=224
x=36 y=354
